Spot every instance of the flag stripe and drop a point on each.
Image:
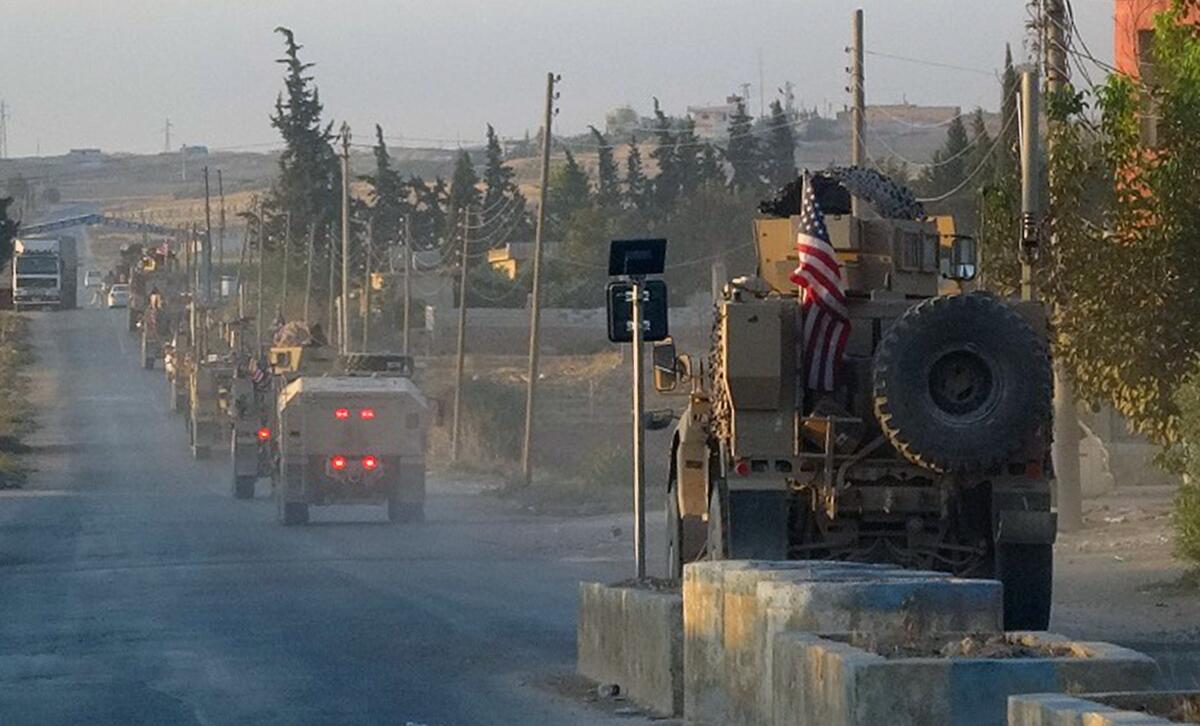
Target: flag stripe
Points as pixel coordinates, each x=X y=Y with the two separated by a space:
x=826 y=323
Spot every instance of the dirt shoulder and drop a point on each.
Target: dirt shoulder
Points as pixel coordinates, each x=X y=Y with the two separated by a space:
x=16 y=412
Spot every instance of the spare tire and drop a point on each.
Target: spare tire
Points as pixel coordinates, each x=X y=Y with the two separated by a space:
x=961 y=383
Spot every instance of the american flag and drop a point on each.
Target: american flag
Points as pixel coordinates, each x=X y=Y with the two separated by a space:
x=823 y=308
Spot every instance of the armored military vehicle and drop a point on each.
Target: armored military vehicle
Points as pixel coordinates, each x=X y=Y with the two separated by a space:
x=933 y=449
x=354 y=437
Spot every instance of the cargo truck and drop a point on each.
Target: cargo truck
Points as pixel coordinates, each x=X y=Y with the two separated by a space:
x=44 y=274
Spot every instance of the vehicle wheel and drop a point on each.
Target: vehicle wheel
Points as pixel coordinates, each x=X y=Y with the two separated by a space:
x=243 y=487
x=1027 y=573
x=746 y=525
x=961 y=383
x=685 y=535
x=293 y=513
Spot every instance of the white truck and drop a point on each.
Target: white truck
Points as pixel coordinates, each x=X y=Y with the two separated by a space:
x=44 y=274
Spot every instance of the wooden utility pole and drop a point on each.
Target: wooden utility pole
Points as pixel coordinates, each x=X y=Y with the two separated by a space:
x=535 y=307
x=262 y=248
x=1031 y=163
x=858 y=108
x=344 y=332
x=366 y=292
x=460 y=354
x=207 y=241
x=220 y=233
x=1066 y=415
x=287 y=259
x=408 y=258
x=308 y=275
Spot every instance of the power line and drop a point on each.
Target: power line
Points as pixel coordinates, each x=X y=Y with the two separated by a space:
x=962 y=185
x=933 y=64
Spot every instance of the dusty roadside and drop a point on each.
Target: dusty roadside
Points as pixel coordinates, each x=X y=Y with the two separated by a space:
x=16 y=411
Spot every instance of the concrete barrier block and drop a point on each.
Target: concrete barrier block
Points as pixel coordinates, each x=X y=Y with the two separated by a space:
x=719 y=601
x=818 y=680
x=1141 y=708
x=632 y=636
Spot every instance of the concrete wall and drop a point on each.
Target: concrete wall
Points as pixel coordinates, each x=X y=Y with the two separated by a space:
x=1106 y=709
x=732 y=611
x=821 y=681
x=633 y=638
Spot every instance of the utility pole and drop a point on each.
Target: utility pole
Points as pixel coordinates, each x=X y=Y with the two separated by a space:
x=167 y=137
x=207 y=241
x=308 y=276
x=1066 y=415
x=221 y=232
x=344 y=332
x=639 y=430
x=287 y=258
x=858 y=108
x=258 y=314
x=535 y=308
x=366 y=293
x=408 y=258
x=762 y=99
x=3 y=130
x=460 y=354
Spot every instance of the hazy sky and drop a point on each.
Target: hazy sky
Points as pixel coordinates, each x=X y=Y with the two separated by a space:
x=107 y=73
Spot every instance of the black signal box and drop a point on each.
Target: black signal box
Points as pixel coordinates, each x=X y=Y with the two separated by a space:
x=620 y=311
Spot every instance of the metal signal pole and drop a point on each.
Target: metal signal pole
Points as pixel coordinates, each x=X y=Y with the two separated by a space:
x=366 y=293
x=287 y=260
x=220 y=232
x=460 y=354
x=344 y=332
x=858 y=108
x=262 y=248
x=639 y=432
x=535 y=311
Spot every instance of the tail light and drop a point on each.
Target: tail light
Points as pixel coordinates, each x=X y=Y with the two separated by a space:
x=264 y=434
x=367 y=414
x=341 y=414
x=742 y=467
x=337 y=463
x=370 y=463
x=1033 y=470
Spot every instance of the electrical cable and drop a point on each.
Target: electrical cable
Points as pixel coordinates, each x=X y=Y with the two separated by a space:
x=962 y=185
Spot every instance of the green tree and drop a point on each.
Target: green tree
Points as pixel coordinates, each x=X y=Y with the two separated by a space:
x=780 y=149
x=743 y=153
x=1008 y=154
x=687 y=160
x=666 y=183
x=504 y=207
x=999 y=198
x=711 y=168
x=608 y=186
x=389 y=196
x=948 y=167
x=637 y=187
x=308 y=188
x=569 y=191
x=464 y=191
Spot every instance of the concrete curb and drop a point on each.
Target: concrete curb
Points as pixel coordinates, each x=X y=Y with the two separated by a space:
x=817 y=680
x=1101 y=709
x=633 y=637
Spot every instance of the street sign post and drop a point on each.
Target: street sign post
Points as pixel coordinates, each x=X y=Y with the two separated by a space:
x=634 y=316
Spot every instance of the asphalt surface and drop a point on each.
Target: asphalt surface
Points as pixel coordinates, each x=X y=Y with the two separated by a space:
x=135 y=590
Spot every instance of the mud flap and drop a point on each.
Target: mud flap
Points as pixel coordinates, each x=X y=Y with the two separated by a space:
x=1024 y=527
x=756 y=525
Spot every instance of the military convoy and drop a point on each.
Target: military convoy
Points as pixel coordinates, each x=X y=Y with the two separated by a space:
x=932 y=451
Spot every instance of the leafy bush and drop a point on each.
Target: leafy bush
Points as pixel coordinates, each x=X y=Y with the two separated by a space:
x=1186 y=517
x=607 y=466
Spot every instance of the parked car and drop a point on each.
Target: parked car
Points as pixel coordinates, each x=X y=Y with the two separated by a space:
x=118 y=295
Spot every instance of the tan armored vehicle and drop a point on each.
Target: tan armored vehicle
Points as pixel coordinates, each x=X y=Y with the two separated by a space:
x=932 y=452
x=354 y=437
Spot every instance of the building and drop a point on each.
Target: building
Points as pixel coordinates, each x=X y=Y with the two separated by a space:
x=712 y=122
x=509 y=258
x=1133 y=39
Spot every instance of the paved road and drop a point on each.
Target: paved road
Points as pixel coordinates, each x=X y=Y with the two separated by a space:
x=134 y=589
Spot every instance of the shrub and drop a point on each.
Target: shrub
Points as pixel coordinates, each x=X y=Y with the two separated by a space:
x=1186 y=517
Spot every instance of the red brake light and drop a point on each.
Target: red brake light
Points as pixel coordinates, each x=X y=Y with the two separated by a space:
x=1033 y=470
x=370 y=463
x=264 y=434
x=341 y=414
x=367 y=414
x=742 y=467
x=338 y=463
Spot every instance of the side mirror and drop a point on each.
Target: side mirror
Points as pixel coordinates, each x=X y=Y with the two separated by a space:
x=666 y=371
x=962 y=264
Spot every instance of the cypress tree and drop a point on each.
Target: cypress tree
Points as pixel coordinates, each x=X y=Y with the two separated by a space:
x=637 y=187
x=608 y=187
x=389 y=197
x=781 y=148
x=742 y=152
x=463 y=188
x=666 y=184
x=502 y=198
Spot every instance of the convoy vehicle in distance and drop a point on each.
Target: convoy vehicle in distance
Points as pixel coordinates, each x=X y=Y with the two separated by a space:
x=93 y=278
x=931 y=452
x=44 y=274
x=118 y=295
x=354 y=437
